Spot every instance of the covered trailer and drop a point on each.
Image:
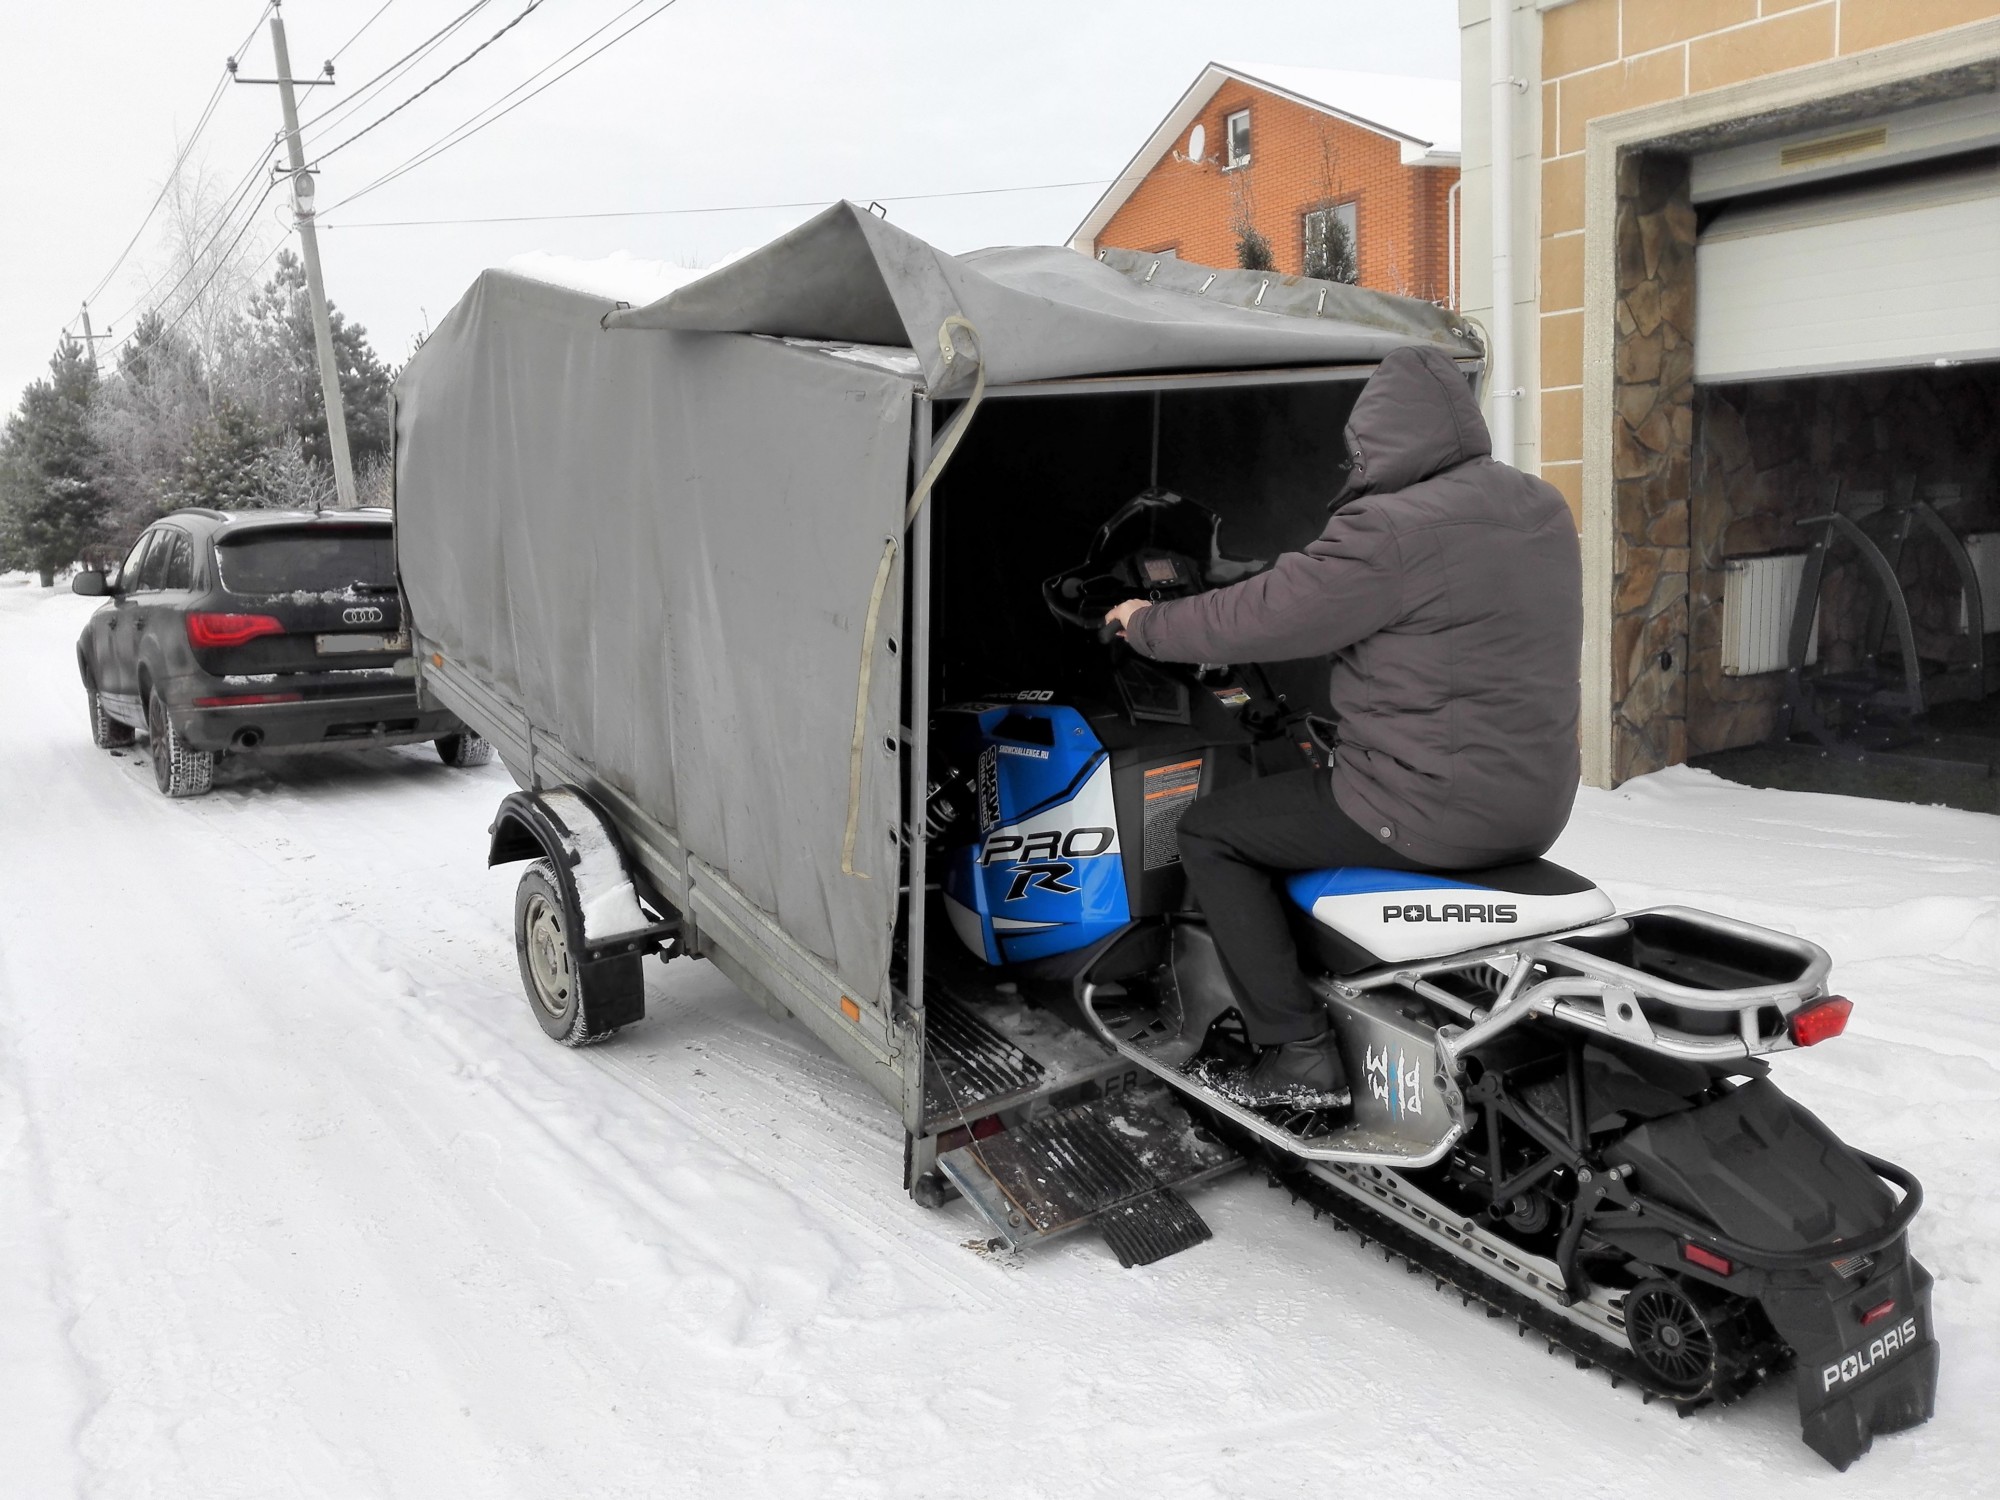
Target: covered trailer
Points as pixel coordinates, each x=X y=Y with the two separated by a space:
x=704 y=570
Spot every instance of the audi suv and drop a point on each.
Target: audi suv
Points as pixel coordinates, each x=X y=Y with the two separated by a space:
x=227 y=632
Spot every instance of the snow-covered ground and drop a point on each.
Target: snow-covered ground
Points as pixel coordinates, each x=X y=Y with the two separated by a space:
x=296 y=1199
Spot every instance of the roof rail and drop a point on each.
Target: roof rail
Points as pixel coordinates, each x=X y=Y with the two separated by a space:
x=202 y=510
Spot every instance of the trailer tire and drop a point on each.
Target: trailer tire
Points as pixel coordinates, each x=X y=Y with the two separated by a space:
x=463 y=750
x=559 y=984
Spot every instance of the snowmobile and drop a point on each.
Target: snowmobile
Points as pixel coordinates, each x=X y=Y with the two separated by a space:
x=1559 y=1109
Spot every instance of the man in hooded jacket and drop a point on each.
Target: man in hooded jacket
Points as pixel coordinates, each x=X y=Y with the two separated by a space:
x=1447 y=587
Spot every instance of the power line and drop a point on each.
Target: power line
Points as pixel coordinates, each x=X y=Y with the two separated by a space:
x=364 y=26
x=395 y=70
x=468 y=129
x=533 y=6
x=201 y=124
x=732 y=208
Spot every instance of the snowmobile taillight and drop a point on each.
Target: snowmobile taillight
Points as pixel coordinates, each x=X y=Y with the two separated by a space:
x=1820 y=1020
x=1878 y=1312
x=211 y=630
x=1708 y=1260
x=989 y=1125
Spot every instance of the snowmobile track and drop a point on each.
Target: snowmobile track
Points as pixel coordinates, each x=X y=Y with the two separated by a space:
x=1750 y=1365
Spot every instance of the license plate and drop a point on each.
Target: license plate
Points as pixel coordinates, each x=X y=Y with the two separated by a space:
x=335 y=645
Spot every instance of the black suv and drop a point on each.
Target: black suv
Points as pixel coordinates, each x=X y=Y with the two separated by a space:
x=256 y=630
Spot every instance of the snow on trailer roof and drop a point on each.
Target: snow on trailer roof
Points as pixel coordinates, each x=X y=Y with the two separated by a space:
x=1038 y=312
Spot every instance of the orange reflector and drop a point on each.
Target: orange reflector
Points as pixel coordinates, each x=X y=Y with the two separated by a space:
x=849 y=1009
x=436 y=660
x=1708 y=1260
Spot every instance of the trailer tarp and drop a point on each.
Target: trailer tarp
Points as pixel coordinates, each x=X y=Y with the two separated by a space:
x=1042 y=312
x=661 y=550
x=657 y=543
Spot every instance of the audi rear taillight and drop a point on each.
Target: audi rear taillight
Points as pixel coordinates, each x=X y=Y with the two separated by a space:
x=1820 y=1020
x=211 y=630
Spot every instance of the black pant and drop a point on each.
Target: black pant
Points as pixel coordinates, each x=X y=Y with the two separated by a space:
x=1234 y=846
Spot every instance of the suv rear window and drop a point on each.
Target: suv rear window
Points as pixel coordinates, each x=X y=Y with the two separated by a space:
x=312 y=560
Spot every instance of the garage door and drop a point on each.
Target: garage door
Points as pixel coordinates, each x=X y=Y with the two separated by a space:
x=1870 y=278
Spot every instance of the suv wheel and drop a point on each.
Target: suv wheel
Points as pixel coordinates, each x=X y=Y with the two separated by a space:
x=461 y=750
x=179 y=770
x=106 y=732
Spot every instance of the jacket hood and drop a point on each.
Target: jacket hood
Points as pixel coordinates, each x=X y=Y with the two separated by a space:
x=1415 y=418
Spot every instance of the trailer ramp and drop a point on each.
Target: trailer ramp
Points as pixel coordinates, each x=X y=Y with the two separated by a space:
x=1118 y=1163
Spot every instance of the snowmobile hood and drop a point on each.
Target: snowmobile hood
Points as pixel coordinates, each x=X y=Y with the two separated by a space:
x=1415 y=418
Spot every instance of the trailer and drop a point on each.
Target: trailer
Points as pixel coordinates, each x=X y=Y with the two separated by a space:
x=702 y=571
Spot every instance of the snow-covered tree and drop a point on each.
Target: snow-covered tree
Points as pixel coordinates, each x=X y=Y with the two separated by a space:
x=285 y=359
x=52 y=500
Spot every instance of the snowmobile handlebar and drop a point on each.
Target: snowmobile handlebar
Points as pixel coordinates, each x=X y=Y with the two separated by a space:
x=1812 y=1257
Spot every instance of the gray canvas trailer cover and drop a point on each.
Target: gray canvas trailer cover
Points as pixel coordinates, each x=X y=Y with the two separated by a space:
x=643 y=548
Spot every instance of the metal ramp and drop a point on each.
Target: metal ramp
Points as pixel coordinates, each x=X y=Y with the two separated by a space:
x=1117 y=1164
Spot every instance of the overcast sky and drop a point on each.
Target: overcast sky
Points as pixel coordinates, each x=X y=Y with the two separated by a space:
x=713 y=103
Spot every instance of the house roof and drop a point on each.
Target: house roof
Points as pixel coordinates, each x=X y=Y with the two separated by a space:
x=1421 y=114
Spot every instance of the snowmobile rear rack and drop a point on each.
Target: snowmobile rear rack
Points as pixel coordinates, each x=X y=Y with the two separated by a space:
x=1812 y=1257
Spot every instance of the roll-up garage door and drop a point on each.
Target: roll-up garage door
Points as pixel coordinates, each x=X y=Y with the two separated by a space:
x=1876 y=277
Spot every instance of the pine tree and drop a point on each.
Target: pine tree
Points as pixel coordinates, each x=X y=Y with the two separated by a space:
x=229 y=463
x=144 y=419
x=287 y=364
x=52 y=503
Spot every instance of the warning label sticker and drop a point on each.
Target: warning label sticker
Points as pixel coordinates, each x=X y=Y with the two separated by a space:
x=1169 y=790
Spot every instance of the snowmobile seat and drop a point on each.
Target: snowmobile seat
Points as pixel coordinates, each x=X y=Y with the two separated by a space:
x=1362 y=917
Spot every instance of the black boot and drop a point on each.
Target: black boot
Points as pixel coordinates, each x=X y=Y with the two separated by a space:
x=1304 y=1075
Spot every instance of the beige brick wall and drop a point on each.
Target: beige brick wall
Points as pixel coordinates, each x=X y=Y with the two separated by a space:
x=1601 y=57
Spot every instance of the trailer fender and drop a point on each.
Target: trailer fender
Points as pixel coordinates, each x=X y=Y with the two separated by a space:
x=601 y=895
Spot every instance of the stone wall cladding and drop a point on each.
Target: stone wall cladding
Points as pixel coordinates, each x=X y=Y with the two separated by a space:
x=1762 y=454
x=1601 y=58
x=1299 y=159
x=1652 y=452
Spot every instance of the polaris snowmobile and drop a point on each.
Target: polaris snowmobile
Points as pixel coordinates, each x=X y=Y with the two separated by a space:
x=1561 y=1110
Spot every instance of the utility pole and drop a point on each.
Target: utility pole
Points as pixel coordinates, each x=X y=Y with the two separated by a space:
x=302 y=211
x=90 y=339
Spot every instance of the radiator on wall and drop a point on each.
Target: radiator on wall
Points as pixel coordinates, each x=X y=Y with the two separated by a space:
x=1983 y=547
x=1758 y=597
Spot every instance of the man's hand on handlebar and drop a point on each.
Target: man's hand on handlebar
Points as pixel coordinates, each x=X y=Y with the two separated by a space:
x=1120 y=617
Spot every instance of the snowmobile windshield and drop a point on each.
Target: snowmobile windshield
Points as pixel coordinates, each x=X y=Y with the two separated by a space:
x=1157 y=545
x=309 y=559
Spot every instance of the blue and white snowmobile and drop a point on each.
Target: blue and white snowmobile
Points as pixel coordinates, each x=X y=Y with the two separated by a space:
x=1559 y=1109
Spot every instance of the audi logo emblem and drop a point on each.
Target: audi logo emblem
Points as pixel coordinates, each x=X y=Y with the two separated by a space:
x=368 y=614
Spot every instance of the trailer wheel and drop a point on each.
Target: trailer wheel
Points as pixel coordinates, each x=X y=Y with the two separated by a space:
x=463 y=750
x=560 y=986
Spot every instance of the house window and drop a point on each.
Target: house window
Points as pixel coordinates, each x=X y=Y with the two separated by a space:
x=1331 y=247
x=1236 y=132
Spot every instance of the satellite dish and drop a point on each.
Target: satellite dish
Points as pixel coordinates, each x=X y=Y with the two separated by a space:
x=1197 y=142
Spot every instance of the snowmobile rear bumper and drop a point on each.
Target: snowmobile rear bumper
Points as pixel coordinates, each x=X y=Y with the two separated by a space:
x=1858 y=1379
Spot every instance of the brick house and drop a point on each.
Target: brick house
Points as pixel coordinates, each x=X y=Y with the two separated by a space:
x=1342 y=174
x=1754 y=250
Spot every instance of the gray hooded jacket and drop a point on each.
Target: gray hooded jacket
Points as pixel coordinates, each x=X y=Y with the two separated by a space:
x=1448 y=589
